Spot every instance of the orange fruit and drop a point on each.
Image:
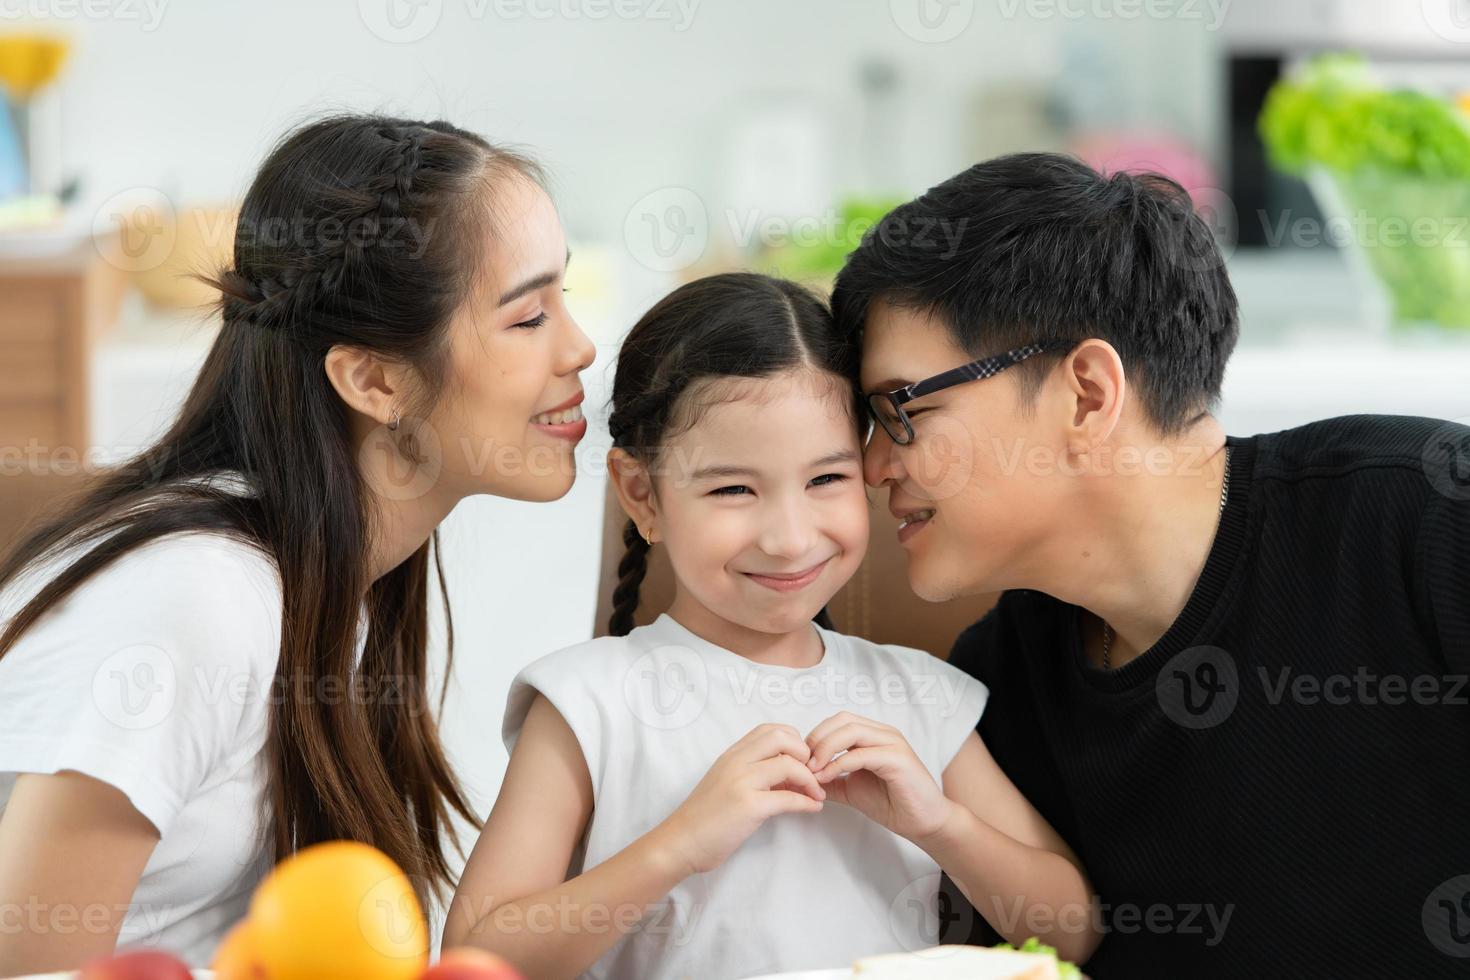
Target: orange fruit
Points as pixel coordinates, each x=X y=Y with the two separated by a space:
x=338 y=911
x=237 y=957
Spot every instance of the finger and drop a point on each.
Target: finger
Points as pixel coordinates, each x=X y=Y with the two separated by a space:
x=784 y=771
x=850 y=736
x=749 y=746
x=828 y=724
x=787 y=773
x=842 y=719
x=762 y=732
x=836 y=791
x=785 y=801
x=882 y=762
x=776 y=740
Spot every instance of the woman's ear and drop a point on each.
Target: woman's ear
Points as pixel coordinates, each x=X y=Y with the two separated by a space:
x=368 y=384
x=634 y=486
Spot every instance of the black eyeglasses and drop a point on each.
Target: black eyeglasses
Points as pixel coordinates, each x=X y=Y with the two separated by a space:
x=887 y=406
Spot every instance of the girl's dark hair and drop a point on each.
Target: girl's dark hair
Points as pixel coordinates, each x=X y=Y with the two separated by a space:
x=735 y=325
x=358 y=230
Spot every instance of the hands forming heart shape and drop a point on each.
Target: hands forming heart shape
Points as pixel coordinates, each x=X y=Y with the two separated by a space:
x=872 y=768
x=847 y=759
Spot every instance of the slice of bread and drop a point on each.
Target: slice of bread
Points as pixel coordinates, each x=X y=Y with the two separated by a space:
x=956 y=963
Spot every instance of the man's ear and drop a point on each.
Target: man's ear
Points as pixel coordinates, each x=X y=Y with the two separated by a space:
x=634 y=486
x=368 y=384
x=1097 y=388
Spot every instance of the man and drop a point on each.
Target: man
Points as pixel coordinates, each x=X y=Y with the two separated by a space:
x=1230 y=671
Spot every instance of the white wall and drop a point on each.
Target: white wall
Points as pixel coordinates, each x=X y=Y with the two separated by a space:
x=614 y=106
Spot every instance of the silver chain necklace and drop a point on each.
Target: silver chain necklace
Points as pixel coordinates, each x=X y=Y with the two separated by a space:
x=1108 y=630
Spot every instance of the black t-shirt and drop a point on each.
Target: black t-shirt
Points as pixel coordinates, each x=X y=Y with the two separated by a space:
x=1280 y=787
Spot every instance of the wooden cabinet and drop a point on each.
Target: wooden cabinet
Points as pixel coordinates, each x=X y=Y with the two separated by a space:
x=51 y=312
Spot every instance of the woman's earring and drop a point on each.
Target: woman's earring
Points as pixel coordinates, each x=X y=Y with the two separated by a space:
x=393 y=426
x=649 y=537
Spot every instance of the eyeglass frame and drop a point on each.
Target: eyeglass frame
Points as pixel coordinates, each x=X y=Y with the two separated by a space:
x=977 y=370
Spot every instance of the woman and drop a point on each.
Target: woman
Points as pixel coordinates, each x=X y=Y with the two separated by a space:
x=218 y=655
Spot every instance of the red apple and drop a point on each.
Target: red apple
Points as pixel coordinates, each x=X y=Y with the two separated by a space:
x=139 y=965
x=469 y=963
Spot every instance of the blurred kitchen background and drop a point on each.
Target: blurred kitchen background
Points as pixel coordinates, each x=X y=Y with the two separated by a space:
x=685 y=136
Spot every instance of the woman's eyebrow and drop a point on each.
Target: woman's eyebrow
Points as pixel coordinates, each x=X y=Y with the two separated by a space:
x=534 y=283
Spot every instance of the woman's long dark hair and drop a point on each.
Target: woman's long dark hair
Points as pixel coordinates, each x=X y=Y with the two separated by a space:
x=358 y=230
x=735 y=325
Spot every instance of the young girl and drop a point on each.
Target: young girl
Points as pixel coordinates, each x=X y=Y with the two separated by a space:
x=832 y=778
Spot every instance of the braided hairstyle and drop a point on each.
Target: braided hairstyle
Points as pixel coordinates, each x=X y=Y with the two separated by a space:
x=734 y=325
x=361 y=230
x=325 y=249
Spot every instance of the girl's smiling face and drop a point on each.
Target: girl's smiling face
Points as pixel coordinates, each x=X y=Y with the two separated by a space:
x=761 y=502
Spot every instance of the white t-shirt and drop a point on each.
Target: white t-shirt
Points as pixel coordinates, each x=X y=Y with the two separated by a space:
x=652 y=712
x=155 y=676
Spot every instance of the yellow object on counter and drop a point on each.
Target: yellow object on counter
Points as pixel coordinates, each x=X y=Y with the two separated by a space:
x=28 y=62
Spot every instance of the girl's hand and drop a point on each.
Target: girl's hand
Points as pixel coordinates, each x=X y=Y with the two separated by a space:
x=763 y=774
x=878 y=774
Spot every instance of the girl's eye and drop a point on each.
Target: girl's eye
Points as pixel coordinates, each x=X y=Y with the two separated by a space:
x=827 y=479
x=736 y=491
x=532 y=323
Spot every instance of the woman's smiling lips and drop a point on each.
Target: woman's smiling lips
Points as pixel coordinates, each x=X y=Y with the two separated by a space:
x=565 y=421
x=791 y=582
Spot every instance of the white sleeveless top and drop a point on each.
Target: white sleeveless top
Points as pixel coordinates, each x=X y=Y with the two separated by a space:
x=652 y=712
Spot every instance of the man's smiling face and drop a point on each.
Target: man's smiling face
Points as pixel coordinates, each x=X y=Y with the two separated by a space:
x=977 y=461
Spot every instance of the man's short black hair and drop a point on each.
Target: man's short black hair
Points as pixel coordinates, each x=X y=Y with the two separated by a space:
x=1039 y=245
